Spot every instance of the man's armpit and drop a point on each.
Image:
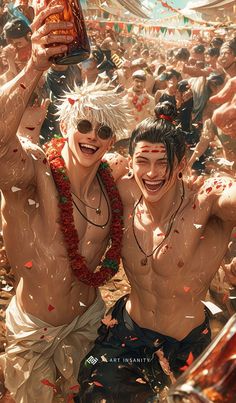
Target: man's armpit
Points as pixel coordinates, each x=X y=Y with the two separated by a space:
x=16 y=166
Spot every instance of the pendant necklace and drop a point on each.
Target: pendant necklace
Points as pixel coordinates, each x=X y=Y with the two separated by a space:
x=144 y=260
x=97 y=209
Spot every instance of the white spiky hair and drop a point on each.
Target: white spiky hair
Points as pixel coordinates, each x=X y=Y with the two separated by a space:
x=97 y=102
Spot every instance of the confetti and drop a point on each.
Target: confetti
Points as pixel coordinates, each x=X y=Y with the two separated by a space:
x=46 y=382
x=75 y=387
x=30 y=128
x=81 y=303
x=29 y=264
x=23 y=86
x=103 y=358
x=197 y=226
x=208 y=190
x=15 y=189
x=31 y=202
x=205 y=331
x=50 y=308
x=71 y=101
x=109 y=322
x=187 y=289
x=189 y=317
x=140 y=380
x=188 y=362
x=214 y=309
x=96 y=383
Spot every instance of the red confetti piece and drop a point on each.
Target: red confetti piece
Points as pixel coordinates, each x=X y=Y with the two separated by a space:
x=205 y=331
x=188 y=362
x=15 y=150
x=186 y=289
x=50 y=307
x=75 y=387
x=133 y=338
x=96 y=383
x=208 y=190
x=194 y=206
x=29 y=264
x=190 y=358
x=71 y=101
x=30 y=128
x=202 y=237
x=42 y=337
x=46 y=382
x=23 y=86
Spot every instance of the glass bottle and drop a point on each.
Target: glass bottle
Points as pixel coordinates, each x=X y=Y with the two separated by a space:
x=212 y=376
x=79 y=49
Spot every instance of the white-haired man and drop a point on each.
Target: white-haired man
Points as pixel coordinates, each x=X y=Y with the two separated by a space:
x=58 y=215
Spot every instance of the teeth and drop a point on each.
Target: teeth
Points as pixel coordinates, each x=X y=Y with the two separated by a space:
x=153 y=182
x=89 y=146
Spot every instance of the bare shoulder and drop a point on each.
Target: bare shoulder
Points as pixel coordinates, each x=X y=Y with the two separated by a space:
x=213 y=187
x=128 y=190
x=118 y=164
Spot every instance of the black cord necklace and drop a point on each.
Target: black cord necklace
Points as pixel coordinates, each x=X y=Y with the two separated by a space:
x=171 y=222
x=108 y=208
x=98 y=208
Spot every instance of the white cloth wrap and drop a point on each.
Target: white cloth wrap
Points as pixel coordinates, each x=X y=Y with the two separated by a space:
x=38 y=351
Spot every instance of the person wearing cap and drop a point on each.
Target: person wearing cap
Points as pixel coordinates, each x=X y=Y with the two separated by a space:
x=141 y=64
x=171 y=77
x=138 y=100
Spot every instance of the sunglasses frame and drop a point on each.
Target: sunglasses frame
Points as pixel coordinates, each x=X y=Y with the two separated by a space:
x=98 y=130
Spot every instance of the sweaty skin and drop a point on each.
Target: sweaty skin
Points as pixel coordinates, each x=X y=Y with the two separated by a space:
x=46 y=286
x=166 y=293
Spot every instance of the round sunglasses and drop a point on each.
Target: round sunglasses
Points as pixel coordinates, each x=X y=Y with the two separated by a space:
x=103 y=131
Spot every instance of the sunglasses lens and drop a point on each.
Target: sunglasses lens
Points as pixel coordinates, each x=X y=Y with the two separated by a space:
x=105 y=132
x=84 y=126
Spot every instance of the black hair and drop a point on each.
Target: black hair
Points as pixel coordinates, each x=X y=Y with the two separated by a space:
x=217 y=42
x=199 y=49
x=232 y=45
x=182 y=54
x=161 y=130
x=213 y=52
x=16 y=28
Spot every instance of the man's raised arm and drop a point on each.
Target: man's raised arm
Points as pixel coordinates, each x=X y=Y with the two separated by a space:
x=15 y=94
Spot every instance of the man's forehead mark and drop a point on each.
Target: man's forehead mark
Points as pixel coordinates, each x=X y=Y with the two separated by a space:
x=153 y=149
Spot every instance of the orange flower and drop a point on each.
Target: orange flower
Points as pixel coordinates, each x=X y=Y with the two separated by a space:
x=109 y=322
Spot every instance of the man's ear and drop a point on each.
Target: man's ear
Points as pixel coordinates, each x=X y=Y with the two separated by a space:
x=130 y=162
x=63 y=128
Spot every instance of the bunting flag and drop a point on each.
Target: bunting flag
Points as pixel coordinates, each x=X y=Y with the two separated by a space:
x=129 y=28
x=187 y=19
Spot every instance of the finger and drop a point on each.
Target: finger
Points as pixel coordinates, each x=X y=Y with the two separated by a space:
x=51 y=26
x=38 y=21
x=224 y=95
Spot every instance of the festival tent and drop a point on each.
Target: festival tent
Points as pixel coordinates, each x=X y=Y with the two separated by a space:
x=215 y=10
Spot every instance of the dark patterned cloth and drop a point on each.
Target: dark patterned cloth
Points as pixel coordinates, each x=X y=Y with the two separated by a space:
x=123 y=365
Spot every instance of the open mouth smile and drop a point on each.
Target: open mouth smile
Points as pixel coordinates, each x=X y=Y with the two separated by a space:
x=153 y=186
x=88 y=148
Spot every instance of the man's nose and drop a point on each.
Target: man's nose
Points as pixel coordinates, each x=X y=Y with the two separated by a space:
x=92 y=134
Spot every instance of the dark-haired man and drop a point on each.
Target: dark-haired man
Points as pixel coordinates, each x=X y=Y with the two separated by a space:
x=227 y=58
x=171 y=230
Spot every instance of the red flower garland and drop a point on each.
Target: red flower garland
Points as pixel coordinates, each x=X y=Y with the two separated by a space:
x=110 y=264
x=139 y=101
